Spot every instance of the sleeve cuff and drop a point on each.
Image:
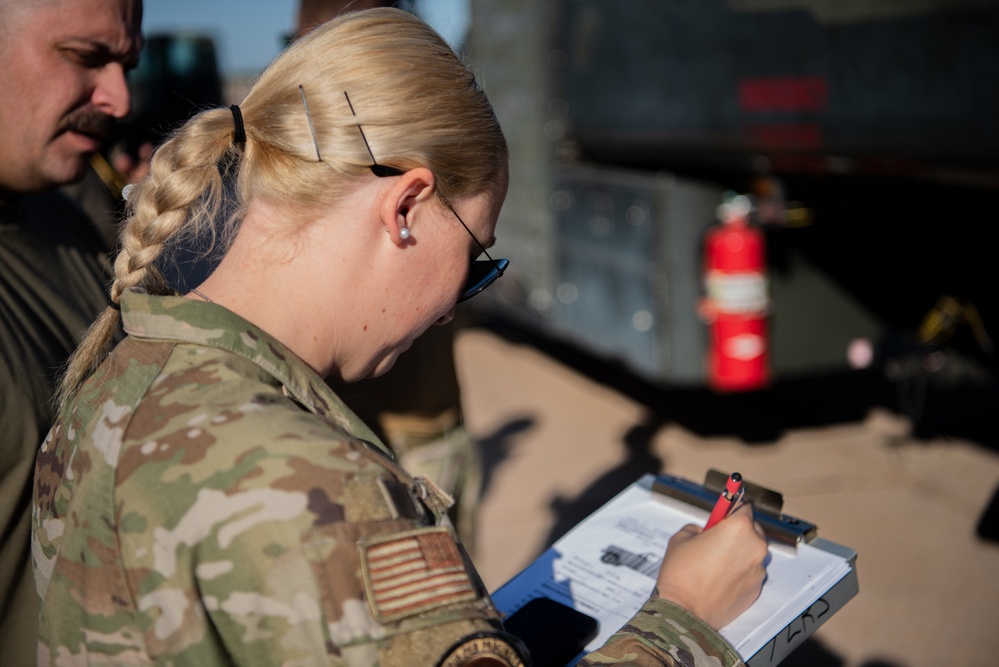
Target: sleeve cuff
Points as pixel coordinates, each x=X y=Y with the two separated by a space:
x=670 y=629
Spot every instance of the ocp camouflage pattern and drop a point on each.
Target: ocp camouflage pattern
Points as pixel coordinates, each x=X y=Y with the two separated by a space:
x=206 y=499
x=663 y=633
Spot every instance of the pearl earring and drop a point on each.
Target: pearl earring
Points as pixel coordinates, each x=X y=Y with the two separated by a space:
x=404 y=233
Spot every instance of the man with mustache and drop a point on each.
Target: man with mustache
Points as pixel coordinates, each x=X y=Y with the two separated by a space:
x=62 y=87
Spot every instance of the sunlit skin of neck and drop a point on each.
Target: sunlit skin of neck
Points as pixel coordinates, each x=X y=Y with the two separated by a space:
x=271 y=276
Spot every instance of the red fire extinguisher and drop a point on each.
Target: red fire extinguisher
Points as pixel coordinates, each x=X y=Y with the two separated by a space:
x=737 y=301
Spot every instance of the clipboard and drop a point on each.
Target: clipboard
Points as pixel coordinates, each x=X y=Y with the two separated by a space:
x=606 y=566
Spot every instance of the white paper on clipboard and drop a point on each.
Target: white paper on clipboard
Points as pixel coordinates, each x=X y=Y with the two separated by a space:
x=606 y=567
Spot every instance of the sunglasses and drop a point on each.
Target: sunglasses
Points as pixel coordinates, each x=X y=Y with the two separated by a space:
x=482 y=272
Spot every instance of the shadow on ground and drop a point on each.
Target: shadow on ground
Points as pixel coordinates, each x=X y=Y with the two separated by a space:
x=570 y=511
x=497 y=446
x=813 y=653
x=936 y=409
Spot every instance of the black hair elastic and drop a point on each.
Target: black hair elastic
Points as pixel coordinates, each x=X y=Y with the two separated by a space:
x=114 y=306
x=237 y=118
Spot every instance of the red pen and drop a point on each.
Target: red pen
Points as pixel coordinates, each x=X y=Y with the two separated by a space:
x=729 y=495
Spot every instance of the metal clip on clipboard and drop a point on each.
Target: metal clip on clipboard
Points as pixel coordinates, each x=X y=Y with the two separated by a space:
x=768 y=505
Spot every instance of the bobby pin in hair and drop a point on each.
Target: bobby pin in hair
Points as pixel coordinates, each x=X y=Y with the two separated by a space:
x=309 y=117
x=364 y=138
x=379 y=170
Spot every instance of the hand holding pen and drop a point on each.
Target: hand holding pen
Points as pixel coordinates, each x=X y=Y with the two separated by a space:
x=716 y=574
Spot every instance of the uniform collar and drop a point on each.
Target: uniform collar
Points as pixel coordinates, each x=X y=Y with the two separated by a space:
x=183 y=320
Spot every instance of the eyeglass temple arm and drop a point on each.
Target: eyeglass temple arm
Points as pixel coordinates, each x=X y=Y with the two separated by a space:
x=382 y=170
x=474 y=238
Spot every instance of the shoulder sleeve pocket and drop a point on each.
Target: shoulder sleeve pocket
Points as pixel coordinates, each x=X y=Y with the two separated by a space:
x=414 y=572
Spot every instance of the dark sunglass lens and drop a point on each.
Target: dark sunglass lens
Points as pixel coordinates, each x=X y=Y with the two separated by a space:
x=481 y=275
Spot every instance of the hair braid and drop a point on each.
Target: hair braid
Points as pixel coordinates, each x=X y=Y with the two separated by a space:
x=182 y=195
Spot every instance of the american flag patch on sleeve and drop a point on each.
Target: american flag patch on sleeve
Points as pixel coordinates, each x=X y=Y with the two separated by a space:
x=413 y=572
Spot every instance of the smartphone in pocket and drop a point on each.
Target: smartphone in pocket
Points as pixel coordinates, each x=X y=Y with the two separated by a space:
x=553 y=632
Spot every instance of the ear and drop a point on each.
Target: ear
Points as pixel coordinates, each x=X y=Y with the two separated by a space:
x=415 y=187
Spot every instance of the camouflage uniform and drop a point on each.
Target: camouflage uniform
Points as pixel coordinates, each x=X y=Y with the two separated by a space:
x=415 y=408
x=206 y=499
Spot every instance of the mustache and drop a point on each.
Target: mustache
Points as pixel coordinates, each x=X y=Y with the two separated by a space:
x=89 y=121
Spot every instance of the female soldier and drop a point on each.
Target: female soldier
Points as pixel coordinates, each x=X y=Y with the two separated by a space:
x=204 y=498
